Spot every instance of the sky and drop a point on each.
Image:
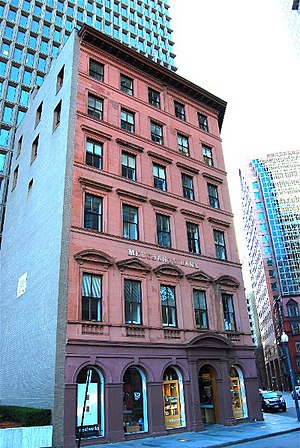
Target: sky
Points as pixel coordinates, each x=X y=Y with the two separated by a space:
x=242 y=52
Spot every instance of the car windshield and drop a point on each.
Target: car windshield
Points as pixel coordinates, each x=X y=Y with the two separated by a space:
x=270 y=395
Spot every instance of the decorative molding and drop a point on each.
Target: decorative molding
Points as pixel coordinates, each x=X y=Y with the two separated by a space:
x=192 y=214
x=187 y=168
x=200 y=277
x=93 y=184
x=135 y=332
x=94 y=256
x=163 y=205
x=95 y=132
x=168 y=269
x=129 y=194
x=228 y=281
x=218 y=222
x=171 y=334
x=133 y=263
x=129 y=145
x=213 y=178
x=159 y=157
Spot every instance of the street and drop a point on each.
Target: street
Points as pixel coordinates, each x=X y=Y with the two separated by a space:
x=283 y=441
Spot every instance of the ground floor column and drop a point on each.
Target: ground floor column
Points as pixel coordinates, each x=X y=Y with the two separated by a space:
x=224 y=395
x=70 y=416
x=114 y=431
x=195 y=411
x=156 y=409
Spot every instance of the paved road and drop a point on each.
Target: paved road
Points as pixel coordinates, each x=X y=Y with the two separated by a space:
x=291 y=440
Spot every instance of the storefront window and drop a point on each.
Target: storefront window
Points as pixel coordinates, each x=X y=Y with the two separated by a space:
x=173 y=399
x=208 y=392
x=90 y=413
x=134 y=401
x=238 y=395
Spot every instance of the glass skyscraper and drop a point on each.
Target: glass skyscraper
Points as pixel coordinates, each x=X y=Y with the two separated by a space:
x=32 y=33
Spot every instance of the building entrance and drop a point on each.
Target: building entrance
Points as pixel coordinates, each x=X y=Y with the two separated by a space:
x=208 y=395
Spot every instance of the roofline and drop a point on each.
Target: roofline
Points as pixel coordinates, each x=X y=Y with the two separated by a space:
x=166 y=76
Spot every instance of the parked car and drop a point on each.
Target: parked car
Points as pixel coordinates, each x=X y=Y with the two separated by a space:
x=297 y=388
x=272 y=401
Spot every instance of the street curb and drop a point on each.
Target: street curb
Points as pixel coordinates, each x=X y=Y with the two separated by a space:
x=251 y=439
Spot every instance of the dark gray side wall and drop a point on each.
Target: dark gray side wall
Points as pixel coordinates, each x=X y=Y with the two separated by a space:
x=32 y=242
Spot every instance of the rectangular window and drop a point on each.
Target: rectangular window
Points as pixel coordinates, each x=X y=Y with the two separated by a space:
x=19 y=146
x=96 y=70
x=60 y=79
x=219 y=241
x=297 y=347
x=91 y=297
x=15 y=177
x=93 y=155
x=187 y=187
x=193 y=237
x=156 y=133
x=168 y=306
x=200 y=309
x=203 y=123
x=95 y=107
x=133 y=302
x=213 y=196
x=130 y=222
x=34 y=148
x=127 y=120
x=93 y=212
x=57 y=116
x=295 y=327
x=207 y=155
x=159 y=177
x=126 y=84
x=228 y=311
x=154 y=97
x=183 y=144
x=38 y=114
x=163 y=230
x=128 y=166
x=179 y=110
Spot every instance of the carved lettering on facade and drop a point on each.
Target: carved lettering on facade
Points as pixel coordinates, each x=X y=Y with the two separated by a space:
x=162 y=259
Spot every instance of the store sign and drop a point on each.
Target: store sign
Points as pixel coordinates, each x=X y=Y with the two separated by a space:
x=162 y=259
x=22 y=285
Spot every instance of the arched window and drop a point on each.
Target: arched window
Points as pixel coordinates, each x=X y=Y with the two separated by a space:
x=238 y=393
x=90 y=403
x=292 y=308
x=173 y=398
x=135 y=418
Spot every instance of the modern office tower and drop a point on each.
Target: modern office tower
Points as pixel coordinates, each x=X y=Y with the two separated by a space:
x=271 y=209
x=119 y=260
x=291 y=10
x=32 y=33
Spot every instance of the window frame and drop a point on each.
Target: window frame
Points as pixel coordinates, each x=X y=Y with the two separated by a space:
x=160 y=183
x=60 y=79
x=57 y=115
x=93 y=110
x=207 y=155
x=228 y=314
x=93 y=214
x=91 y=158
x=126 y=170
x=220 y=248
x=34 y=149
x=130 y=303
x=179 y=110
x=213 y=195
x=38 y=114
x=130 y=226
x=168 y=311
x=200 y=311
x=183 y=144
x=126 y=84
x=193 y=238
x=126 y=124
x=188 y=191
x=203 y=122
x=156 y=137
x=93 y=72
x=163 y=234
x=91 y=298
x=154 y=98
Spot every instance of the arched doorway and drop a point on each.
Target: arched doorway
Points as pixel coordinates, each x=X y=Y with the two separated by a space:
x=173 y=398
x=238 y=393
x=135 y=418
x=208 y=395
x=90 y=403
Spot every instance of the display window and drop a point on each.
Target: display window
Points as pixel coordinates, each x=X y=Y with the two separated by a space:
x=208 y=395
x=90 y=415
x=237 y=391
x=134 y=401
x=173 y=399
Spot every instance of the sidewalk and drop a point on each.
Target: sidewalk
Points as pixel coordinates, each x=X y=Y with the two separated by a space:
x=218 y=435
